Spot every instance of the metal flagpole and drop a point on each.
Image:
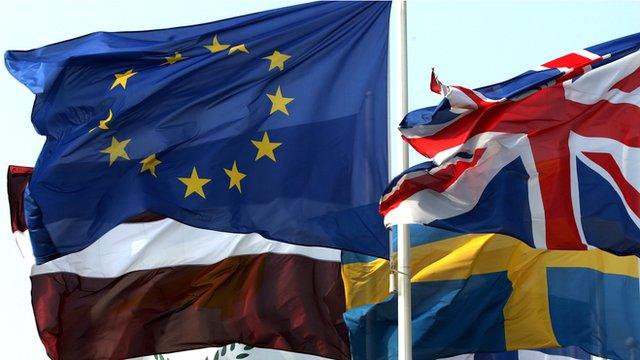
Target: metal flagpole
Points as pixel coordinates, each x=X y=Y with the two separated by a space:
x=404 y=246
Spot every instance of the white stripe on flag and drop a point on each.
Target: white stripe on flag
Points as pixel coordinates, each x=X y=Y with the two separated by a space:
x=539 y=355
x=164 y=243
x=461 y=357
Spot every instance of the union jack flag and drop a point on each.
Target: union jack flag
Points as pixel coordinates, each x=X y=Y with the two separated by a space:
x=551 y=156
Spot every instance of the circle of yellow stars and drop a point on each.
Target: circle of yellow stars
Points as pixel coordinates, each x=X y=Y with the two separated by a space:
x=194 y=184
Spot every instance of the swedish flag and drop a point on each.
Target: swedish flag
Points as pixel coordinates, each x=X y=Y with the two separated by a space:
x=491 y=293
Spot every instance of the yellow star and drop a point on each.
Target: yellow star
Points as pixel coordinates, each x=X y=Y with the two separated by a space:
x=279 y=102
x=241 y=48
x=116 y=150
x=194 y=184
x=235 y=177
x=149 y=163
x=121 y=79
x=174 y=59
x=103 y=123
x=265 y=147
x=216 y=46
x=277 y=60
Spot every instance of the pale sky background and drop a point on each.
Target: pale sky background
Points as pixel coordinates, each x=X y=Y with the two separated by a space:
x=469 y=43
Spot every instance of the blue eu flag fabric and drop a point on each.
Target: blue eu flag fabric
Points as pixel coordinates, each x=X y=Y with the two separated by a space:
x=272 y=123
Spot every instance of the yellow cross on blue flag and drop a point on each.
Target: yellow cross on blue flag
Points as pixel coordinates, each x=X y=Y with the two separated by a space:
x=271 y=123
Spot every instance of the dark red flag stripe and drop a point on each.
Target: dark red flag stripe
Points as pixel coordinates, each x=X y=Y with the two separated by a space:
x=287 y=302
x=17 y=180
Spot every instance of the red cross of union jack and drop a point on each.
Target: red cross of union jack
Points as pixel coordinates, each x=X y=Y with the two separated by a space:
x=584 y=106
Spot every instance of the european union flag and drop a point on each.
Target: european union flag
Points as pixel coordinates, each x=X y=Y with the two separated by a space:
x=272 y=123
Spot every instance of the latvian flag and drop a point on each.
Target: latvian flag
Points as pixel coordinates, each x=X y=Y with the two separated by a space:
x=155 y=285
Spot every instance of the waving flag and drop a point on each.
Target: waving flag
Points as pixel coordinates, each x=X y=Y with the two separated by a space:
x=158 y=286
x=568 y=353
x=232 y=352
x=487 y=293
x=271 y=123
x=549 y=157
